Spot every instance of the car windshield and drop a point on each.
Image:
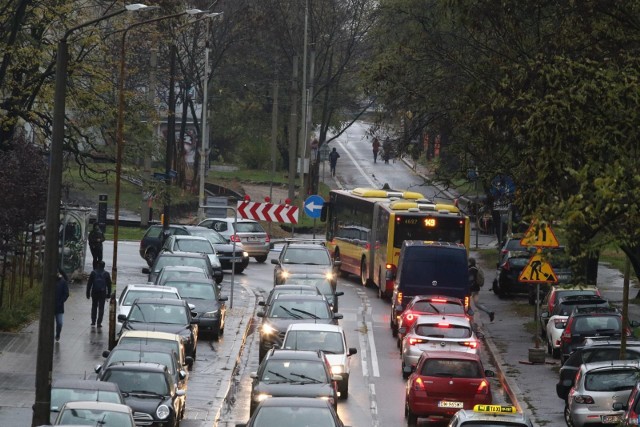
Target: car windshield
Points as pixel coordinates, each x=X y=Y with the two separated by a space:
x=436 y=306
x=442 y=330
x=125 y=355
x=301 y=291
x=164 y=261
x=166 y=275
x=94 y=417
x=290 y=416
x=134 y=381
x=451 y=368
x=611 y=380
x=134 y=294
x=299 y=309
x=306 y=256
x=60 y=396
x=249 y=227
x=596 y=324
x=518 y=261
x=287 y=370
x=188 y=245
x=168 y=344
x=190 y=290
x=159 y=313
x=213 y=236
x=320 y=283
x=329 y=342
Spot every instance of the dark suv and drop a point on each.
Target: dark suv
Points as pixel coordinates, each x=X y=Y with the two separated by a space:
x=152 y=241
x=593 y=350
x=307 y=258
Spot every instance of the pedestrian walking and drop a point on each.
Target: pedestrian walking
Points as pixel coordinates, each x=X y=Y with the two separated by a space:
x=96 y=237
x=333 y=161
x=98 y=289
x=386 y=150
x=476 y=281
x=376 y=148
x=61 y=296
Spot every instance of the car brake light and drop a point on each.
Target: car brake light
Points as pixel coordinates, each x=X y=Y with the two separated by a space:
x=399 y=298
x=419 y=385
x=466 y=303
x=409 y=317
x=506 y=266
x=414 y=341
x=470 y=344
x=632 y=419
x=443 y=325
x=439 y=300
x=234 y=238
x=483 y=388
x=583 y=399
x=566 y=334
x=267 y=239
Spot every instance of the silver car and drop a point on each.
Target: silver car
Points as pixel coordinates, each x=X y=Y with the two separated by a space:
x=250 y=233
x=436 y=333
x=598 y=387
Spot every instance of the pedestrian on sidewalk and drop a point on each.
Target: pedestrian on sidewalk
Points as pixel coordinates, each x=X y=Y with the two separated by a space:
x=333 y=161
x=61 y=296
x=96 y=237
x=476 y=281
x=376 y=148
x=98 y=289
x=386 y=150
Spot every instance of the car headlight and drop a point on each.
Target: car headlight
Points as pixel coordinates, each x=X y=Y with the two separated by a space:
x=162 y=412
x=211 y=314
x=267 y=329
x=329 y=276
x=284 y=274
x=245 y=254
x=329 y=398
x=261 y=396
x=337 y=369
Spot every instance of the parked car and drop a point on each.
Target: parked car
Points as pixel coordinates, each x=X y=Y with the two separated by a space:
x=288 y=309
x=598 y=387
x=331 y=340
x=250 y=233
x=293 y=412
x=172 y=316
x=508 y=271
x=511 y=243
x=593 y=350
x=179 y=259
x=195 y=244
x=558 y=292
x=445 y=382
x=167 y=340
x=151 y=244
x=132 y=292
x=287 y=373
x=207 y=304
x=72 y=390
x=149 y=390
x=172 y=272
x=104 y=414
x=319 y=281
x=307 y=258
x=436 y=333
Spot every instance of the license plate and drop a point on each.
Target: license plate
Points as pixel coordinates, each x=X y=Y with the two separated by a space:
x=447 y=404
x=611 y=419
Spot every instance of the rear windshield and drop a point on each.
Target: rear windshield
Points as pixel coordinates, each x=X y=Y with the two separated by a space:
x=211 y=235
x=293 y=416
x=422 y=266
x=518 y=261
x=126 y=355
x=438 y=307
x=596 y=324
x=60 y=396
x=613 y=380
x=451 y=368
x=135 y=294
x=442 y=330
x=157 y=313
x=163 y=261
x=249 y=227
x=168 y=344
x=514 y=245
x=202 y=246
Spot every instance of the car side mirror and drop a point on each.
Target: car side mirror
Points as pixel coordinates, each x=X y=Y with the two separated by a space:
x=337 y=263
x=619 y=406
x=544 y=315
x=222 y=299
x=145 y=270
x=97 y=369
x=275 y=261
x=339 y=293
x=402 y=330
x=261 y=303
x=253 y=375
x=188 y=360
x=260 y=313
x=352 y=351
x=182 y=374
x=191 y=307
x=122 y=318
x=106 y=353
x=336 y=377
x=489 y=373
x=337 y=316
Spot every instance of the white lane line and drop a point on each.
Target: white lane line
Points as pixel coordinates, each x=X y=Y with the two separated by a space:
x=374 y=354
x=366 y=176
x=374 y=402
x=363 y=356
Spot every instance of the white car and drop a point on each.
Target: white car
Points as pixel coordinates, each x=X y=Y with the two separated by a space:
x=435 y=332
x=134 y=291
x=328 y=338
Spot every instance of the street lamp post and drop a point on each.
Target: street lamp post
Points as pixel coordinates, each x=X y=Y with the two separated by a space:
x=44 y=367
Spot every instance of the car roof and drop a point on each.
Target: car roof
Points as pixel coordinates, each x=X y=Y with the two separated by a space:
x=301 y=297
x=194 y=280
x=582 y=299
x=295 y=354
x=295 y=402
x=453 y=355
x=229 y=219
x=308 y=245
x=586 y=367
x=189 y=236
x=148 y=347
x=182 y=268
x=176 y=302
x=438 y=318
x=148 y=287
x=588 y=311
x=78 y=384
x=138 y=366
x=104 y=406
x=182 y=254
x=448 y=245
x=151 y=335
x=607 y=341
x=560 y=288
x=292 y=286
x=315 y=327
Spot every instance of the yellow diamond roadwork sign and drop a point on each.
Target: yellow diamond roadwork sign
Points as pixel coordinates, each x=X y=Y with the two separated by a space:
x=538 y=271
x=541 y=235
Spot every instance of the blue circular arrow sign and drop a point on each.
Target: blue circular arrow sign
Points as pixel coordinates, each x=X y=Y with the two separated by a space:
x=313 y=206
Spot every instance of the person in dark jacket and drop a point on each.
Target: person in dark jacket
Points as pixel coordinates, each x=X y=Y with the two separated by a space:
x=61 y=296
x=476 y=282
x=96 y=237
x=98 y=289
x=333 y=161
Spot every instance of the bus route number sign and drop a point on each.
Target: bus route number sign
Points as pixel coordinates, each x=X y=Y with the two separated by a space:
x=430 y=222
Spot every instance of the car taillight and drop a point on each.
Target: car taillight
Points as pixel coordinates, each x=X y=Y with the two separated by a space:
x=415 y=341
x=566 y=334
x=632 y=418
x=506 y=266
x=409 y=317
x=483 y=388
x=466 y=303
x=470 y=344
x=399 y=298
x=584 y=399
x=235 y=238
x=267 y=239
x=418 y=385
x=390 y=266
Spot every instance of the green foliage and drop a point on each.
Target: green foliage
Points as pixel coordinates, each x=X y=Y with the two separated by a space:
x=24 y=310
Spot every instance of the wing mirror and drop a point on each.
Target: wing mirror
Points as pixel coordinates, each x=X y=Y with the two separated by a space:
x=275 y=261
x=182 y=374
x=352 y=351
x=489 y=373
x=122 y=318
x=222 y=299
x=145 y=270
x=402 y=330
x=339 y=293
x=97 y=369
x=337 y=316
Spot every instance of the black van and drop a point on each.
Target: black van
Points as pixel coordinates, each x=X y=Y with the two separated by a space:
x=426 y=268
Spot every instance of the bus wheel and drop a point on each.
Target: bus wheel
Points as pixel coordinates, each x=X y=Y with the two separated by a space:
x=364 y=278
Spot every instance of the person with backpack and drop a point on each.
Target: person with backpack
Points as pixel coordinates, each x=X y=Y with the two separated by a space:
x=96 y=237
x=98 y=289
x=333 y=161
x=476 y=281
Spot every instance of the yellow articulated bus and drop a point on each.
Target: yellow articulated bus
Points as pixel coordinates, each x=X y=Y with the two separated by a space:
x=366 y=228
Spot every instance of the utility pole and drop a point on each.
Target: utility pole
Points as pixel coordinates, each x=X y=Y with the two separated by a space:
x=171 y=137
x=292 y=131
x=274 y=137
x=204 y=149
x=307 y=127
x=302 y=149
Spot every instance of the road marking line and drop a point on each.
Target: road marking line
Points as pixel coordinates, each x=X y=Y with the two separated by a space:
x=373 y=184
x=374 y=354
x=363 y=356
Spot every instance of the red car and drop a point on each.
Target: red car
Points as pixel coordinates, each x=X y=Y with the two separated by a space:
x=445 y=382
x=429 y=304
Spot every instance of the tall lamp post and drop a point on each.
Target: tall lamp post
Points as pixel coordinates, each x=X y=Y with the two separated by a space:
x=119 y=152
x=44 y=367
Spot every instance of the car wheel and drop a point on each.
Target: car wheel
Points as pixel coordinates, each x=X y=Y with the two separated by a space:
x=567 y=416
x=238 y=270
x=555 y=353
x=218 y=280
x=549 y=349
x=261 y=259
x=343 y=388
x=215 y=334
x=150 y=256
x=412 y=419
x=405 y=375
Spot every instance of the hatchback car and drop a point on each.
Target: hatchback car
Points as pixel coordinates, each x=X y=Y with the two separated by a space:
x=319 y=281
x=598 y=386
x=436 y=333
x=557 y=292
x=133 y=291
x=206 y=303
x=288 y=309
x=104 y=414
x=149 y=390
x=195 y=244
x=172 y=342
x=304 y=258
x=180 y=259
x=250 y=233
x=172 y=316
x=490 y=415
x=287 y=373
x=67 y=390
x=331 y=340
x=445 y=382
x=294 y=412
